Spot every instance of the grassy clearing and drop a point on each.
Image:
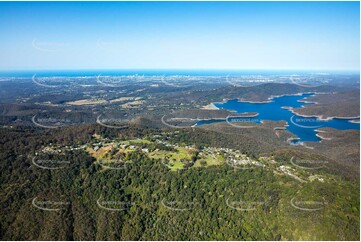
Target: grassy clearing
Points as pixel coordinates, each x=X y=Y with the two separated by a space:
x=137 y=141
x=210 y=161
x=133 y=104
x=174 y=160
x=180 y=154
x=176 y=165
x=87 y=102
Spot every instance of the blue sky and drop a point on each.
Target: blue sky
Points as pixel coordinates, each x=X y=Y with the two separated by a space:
x=180 y=35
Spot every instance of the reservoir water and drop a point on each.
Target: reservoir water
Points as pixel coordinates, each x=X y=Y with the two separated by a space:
x=303 y=127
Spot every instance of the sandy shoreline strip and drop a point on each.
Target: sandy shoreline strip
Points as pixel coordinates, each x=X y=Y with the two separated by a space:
x=210 y=106
x=355 y=121
x=320 y=136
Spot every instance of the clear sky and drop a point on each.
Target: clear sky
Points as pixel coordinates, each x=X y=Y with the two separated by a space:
x=180 y=35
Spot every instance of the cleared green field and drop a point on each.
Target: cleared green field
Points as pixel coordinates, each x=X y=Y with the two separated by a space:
x=175 y=158
x=181 y=154
x=210 y=161
x=138 y=141
x=176 y=165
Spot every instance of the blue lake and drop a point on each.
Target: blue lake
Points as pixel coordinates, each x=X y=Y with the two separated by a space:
x=303 y=127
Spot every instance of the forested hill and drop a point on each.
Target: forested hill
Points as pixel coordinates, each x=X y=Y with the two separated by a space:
x=148 y=201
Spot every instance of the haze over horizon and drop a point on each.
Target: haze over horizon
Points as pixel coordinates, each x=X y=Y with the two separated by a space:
x=180 y=35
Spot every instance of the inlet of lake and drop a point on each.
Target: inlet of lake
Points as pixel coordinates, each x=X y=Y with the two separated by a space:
x=303 y=127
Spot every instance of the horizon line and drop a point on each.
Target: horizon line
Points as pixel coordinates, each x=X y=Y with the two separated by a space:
x=177 y=69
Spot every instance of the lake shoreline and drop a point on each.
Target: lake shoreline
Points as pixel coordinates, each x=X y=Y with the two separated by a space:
x=320 y=117
x=304 y=100
x=301 y=99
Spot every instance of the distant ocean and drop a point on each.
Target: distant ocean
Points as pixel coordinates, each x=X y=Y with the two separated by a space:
x=83 y=73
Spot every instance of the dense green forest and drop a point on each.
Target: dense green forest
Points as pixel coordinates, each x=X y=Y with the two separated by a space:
x=147 y=201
